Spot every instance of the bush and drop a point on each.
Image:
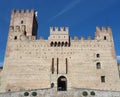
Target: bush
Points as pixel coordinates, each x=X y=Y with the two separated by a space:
x=92 y=93
x=34 y=93
x=84 y=93
x=26 y=94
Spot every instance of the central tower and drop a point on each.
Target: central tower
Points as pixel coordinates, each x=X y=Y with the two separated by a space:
x=23 y=25
x=59 y=37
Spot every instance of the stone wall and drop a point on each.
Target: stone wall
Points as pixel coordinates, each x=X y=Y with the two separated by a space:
x=71 y=93
x=28 y=62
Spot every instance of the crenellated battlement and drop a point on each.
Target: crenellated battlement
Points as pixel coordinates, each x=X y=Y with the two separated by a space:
x=61 y=30
x=23 y=12
x=103 y=29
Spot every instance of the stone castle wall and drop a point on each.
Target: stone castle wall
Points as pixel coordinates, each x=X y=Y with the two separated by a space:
x=33 y=64
x=71 y=93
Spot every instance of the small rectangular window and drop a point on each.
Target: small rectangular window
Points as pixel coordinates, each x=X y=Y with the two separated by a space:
x=103 y=79
x=22 y=22
x=15 y=38
x=105 y=38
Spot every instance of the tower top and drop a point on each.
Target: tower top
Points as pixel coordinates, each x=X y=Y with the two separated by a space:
x=101 y=29
x=59 y=31
x=23 y=12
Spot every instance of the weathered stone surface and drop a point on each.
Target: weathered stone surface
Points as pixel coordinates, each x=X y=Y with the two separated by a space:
x=71 y=93
x=29 y=62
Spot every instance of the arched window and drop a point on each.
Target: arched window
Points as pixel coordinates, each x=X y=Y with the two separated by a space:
x=62 y=43
x=66 y=43
x=58 y=43
x=98 y=55
x=98 y=65
x=51 y=44
x=55 y=44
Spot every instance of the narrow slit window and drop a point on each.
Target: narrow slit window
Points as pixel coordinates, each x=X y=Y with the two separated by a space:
x=66 y=65
x=57 y=65
x=52 y=65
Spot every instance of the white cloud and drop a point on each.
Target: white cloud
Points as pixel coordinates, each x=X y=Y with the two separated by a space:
x=67 y=8
x=118 y=57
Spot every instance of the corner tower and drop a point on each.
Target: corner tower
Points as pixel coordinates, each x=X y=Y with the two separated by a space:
x=104 y=34
x=23 y=28
x=23 y=25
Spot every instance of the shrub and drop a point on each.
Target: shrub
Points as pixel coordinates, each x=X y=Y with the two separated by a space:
x=92 y=93
x=85 y=93
x=26 y=94
x=34 y=93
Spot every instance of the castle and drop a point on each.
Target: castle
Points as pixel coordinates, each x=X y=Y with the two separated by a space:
x=60 y=62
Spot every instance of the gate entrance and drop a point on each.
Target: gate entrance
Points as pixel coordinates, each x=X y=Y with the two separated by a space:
x=62 y=83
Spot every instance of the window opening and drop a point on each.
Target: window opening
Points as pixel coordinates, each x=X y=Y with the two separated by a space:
x=103 y=79
x=51 y=44
x=52 y=85
x=15 y=38
x=97 y=55
x=22 y=22
x=105 y=38
x=98 y=65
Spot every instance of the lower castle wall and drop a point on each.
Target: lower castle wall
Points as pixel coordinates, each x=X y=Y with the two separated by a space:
x=28 y=66
x=53 y=93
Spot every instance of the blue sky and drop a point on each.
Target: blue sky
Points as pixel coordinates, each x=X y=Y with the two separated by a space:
x=81 y=16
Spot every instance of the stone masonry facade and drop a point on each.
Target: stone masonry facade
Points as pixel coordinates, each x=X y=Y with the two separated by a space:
x=59 y=62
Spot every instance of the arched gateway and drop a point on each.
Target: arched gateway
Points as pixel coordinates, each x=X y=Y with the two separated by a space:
x=62 y=83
